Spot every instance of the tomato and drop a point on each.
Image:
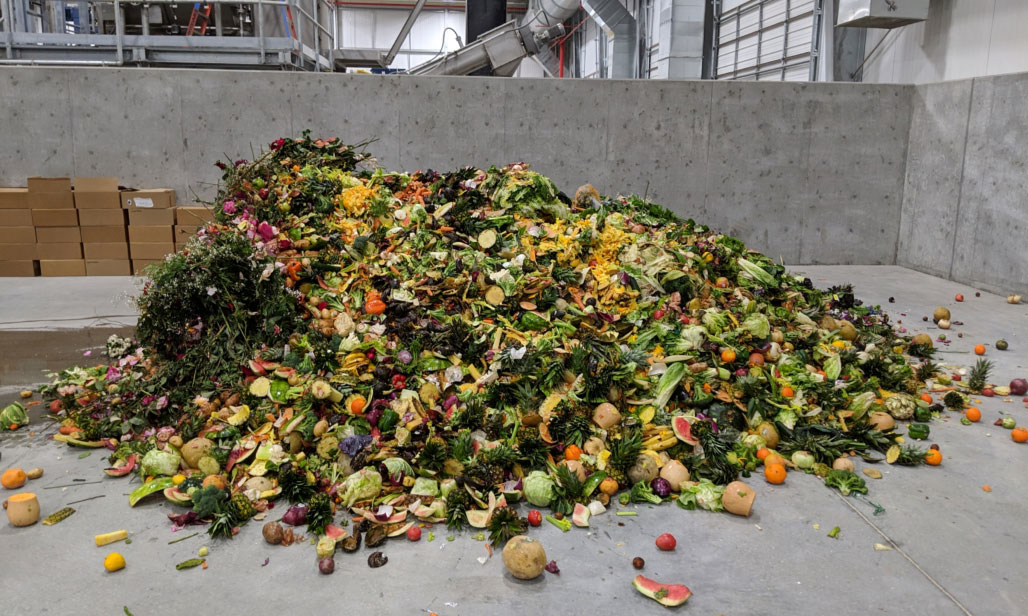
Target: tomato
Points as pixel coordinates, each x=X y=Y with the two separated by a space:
x=666 y=542
x=414 y=533
x=535 y=518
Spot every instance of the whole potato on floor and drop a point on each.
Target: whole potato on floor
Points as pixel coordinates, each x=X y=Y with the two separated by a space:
x=524 y=557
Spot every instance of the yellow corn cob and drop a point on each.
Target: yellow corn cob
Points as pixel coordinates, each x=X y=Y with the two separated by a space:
x=106 y=538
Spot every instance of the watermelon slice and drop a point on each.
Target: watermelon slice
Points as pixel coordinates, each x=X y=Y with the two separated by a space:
x=333 y=531
x=178 y=497
x=683 y=430
x=580 y=517
x=668 y=595
x=123 y=467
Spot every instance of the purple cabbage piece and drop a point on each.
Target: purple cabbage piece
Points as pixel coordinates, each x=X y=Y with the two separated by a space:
x=352 y=445
x=296 y=515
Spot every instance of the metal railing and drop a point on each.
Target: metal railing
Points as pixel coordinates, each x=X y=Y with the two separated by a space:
x=304 y=37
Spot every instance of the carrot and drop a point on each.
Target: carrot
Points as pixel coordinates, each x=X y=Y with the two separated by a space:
x=445 y=229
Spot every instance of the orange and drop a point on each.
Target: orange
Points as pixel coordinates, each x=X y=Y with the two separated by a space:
x=775 y=474
x=756 y=359
x=1020 y=435
x=973 y=414
x=572 y=452
x=727 y=356
x=933 y=457
x=788 y=393
x=357 y=405
x=979 y=349
x=762 y=453
x=13 y=479
x=773 y=458
x=927 y=398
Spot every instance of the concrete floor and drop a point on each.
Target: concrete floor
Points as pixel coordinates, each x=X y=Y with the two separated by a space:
x=959 y=550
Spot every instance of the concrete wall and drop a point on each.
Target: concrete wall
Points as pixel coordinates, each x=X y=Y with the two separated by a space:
x=965 y=208
x=796 y=170
x=961 y=39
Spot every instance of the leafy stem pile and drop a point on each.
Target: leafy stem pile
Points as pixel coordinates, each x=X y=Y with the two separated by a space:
x=430 y=347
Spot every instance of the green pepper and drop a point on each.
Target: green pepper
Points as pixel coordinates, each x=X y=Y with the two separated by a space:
x=922 y=413
x=593 y=482
x=918 y=431
x=388 y=420
x=279 y=391
x=533 y=322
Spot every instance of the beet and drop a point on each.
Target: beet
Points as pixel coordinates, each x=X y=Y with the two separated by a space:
x=661 y=487
x=327 y=565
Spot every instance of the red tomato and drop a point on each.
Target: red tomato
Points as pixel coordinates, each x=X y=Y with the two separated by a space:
x=535 y=518
x=414 y=533
x=666 y=542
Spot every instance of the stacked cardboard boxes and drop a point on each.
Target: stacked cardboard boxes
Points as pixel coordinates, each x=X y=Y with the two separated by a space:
x=103 y=224
x=188 y=220
x=17 y=235
x=151 y=225
x=58 y=240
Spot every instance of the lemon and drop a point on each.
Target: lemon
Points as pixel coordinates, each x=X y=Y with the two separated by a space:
x=177 y=479
x=114 y=562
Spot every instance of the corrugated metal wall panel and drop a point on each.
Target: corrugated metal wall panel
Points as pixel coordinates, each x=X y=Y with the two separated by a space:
x=766 y=40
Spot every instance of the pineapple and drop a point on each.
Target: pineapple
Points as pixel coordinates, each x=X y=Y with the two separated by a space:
x=979 y=375
x=241 y=508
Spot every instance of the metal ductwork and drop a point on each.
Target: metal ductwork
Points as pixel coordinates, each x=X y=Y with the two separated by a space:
x=620 y=25
x=681 y=38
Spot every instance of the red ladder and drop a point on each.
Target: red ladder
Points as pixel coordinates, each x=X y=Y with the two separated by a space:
x=205 y=13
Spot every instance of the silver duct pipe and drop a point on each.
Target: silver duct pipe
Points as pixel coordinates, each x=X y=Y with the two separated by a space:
x=681 y=38
x=545 y=14
x=620 y=25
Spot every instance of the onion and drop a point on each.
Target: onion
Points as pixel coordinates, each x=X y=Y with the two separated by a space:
x=327 y=565
x=661 y=487
x=1019 y=387
x=404 y=357
x=296 y=515
x=451 y=401
x=383 y=513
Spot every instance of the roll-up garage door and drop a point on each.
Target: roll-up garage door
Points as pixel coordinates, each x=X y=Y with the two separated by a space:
x=768 y=40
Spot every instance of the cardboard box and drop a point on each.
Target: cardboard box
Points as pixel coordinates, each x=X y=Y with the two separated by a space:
x=102 y=218
x=103 y=235
x=152 y=218
x=14 y=198
x=20 y=269
x=97 y=193
x=155 y=251
x=17 y=235
x=156 y=198
x=109 y=268
x=106 y=251
x=139 y=264
x=50 y=194
x=183 y=233
x=16 y=218
x=63 y=267
x=55 y=218
x=57 y=252
x=193 y=215
x=147 y=235
x=58 y=235
x=17 y=252
x=42 y=184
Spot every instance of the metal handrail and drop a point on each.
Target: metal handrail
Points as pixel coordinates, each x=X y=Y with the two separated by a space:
x=302 y=14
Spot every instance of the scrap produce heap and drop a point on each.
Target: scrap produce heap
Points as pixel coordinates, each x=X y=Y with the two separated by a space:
x=428 y=348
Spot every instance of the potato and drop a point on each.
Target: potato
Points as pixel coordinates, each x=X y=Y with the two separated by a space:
x=175 y=441
x=524 y=557
x=644 y=469
x=196 y=449
x=606 y=415
x=34 y=473
x=843 y=464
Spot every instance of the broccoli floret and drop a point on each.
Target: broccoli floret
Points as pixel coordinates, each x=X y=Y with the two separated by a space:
x=846 y=481
x=641 y=493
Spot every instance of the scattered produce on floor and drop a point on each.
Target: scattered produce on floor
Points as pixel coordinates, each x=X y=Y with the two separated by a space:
x=375 y=351
x=668 y=595
x=22 y=509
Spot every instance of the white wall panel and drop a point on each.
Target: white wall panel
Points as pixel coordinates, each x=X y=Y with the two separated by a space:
x=765 y=39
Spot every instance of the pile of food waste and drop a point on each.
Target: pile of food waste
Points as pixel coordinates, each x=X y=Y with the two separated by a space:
x=378 y=352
